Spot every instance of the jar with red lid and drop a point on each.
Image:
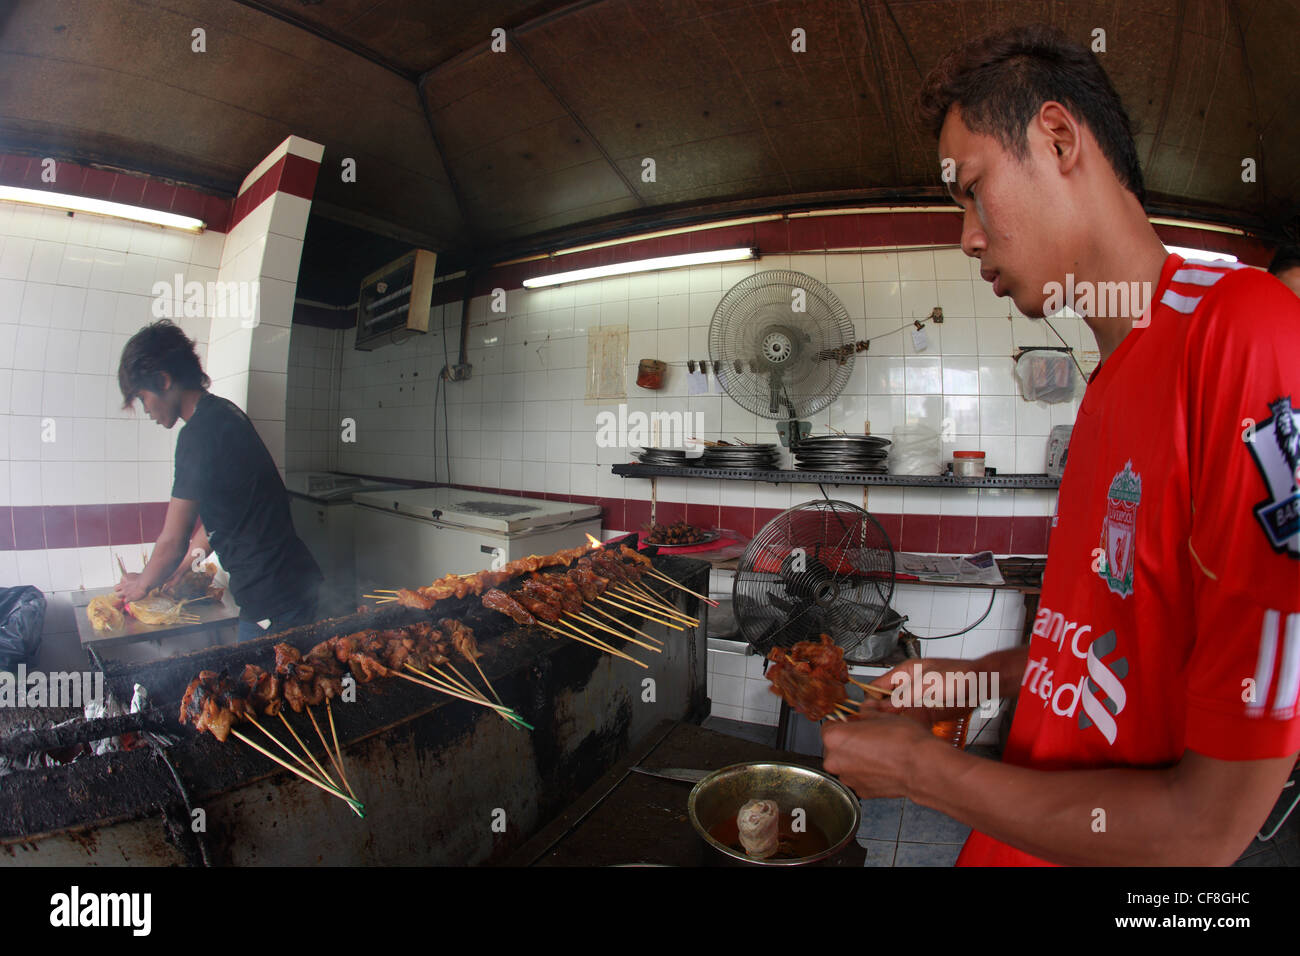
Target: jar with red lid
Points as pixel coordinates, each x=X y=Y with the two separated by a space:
x=968 y=464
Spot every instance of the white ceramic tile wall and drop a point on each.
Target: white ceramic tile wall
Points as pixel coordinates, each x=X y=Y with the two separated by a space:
x=73 y=289
x=311 y=425
x=521 y=421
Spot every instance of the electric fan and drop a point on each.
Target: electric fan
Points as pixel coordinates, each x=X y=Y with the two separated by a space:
x=783 y=346
x=822 y=567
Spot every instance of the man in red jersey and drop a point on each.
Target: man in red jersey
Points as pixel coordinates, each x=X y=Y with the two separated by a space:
x=1157 y=713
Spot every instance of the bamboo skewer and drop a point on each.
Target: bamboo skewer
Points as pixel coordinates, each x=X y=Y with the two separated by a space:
x=488 y=683
x=325 y=743
x=593 y=638
x=668 y=612
x=870 y=688
x=450 y=690
x=478 y=693
x=667 y=580
x=324 y=776
x=593 y=643
x=632 y=640
x=588 y=604
x=356 y=806
x=279 y=743
x=652 y=594
x=329 y=712
x=636 y=610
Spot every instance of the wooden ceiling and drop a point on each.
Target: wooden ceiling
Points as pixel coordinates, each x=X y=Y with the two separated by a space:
x=483 y=154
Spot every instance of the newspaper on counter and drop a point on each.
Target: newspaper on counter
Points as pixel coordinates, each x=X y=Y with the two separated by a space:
x=949 y=568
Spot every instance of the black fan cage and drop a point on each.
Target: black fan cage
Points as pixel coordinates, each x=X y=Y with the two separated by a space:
x=774 y=360
x=823 y=567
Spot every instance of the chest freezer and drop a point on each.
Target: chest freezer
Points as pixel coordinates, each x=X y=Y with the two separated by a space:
x=406 y=539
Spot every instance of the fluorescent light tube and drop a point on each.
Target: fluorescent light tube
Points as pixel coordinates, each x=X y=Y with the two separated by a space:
x=641 y=265
x=99 y=207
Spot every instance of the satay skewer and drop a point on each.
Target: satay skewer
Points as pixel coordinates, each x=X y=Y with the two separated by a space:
x=670 y=613
x=444 y=688
x=325 y=780
x=643 y=612
x=582 y=640
x=631 y=640
x=282 y=745
x=650 y=594
x=356 y=805
x=465 y=681
x=324 y=776
x=324 y=743
x=602 y=613
x=329 y=712
x=870 y=688
x=667 y=580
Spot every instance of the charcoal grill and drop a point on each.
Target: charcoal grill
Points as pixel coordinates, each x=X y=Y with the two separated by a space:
x=444 y=781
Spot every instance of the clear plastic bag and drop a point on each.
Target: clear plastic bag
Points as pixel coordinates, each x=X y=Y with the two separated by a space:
x=916 y=450
x=1045 y=376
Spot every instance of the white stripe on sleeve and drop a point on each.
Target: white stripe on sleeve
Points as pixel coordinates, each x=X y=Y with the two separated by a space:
x=1289 y=672
x=1264 y=664
x=1185 y=304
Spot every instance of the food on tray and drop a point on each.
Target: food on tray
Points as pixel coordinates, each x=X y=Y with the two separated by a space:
x=679 y=533
x=105 y=613
x=155 y=609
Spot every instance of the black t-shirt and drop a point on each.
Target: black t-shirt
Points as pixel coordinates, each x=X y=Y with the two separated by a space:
x=222 y=464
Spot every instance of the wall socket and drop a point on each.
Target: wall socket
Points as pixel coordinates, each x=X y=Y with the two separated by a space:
x=457 y=373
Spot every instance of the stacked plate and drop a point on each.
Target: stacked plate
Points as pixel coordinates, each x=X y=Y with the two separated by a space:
x=663 y=456
x=739 y=456
x=845 y=454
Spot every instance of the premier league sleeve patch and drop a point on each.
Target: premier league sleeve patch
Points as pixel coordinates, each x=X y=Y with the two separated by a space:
x=1276 y=448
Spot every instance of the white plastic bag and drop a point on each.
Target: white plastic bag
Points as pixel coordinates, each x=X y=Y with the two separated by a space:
x=1046 y=377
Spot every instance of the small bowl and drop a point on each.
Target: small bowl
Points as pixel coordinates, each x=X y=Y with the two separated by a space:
x=829 y=805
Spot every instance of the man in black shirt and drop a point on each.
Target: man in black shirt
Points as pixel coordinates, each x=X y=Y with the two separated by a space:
x=226 y=477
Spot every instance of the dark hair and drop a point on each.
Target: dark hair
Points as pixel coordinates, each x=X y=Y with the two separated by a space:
x=157 y=348
x=1286 y=257
x=1001 y=79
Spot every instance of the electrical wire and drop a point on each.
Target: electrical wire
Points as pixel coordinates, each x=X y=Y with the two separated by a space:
x=1069 y=348
x=939 y=637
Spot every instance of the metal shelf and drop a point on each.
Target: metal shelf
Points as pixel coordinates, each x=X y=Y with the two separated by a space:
x=773 y=476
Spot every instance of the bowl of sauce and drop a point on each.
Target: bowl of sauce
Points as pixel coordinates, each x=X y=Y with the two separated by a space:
x=815 y=815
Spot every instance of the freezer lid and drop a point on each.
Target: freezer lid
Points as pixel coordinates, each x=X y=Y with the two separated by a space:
x=503 y=514
x=329 y=487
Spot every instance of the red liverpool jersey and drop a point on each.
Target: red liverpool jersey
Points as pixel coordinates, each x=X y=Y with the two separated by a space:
x=1170 y=612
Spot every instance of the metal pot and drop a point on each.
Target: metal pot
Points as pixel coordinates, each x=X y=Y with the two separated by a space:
x=829 y=805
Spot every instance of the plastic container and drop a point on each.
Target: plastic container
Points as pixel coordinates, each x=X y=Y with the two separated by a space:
x=968 y=464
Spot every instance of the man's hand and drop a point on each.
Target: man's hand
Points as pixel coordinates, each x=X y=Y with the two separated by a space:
x=132 y=587
x=876 y=754
x=911 y=677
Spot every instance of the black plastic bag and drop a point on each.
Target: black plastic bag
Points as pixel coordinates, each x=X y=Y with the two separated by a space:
x=22 y=621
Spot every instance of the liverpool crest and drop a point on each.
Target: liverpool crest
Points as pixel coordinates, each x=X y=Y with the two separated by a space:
x=1276 y=448
x=1118 y=530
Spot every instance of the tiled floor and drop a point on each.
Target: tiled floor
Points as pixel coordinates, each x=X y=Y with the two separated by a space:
x=901 y=833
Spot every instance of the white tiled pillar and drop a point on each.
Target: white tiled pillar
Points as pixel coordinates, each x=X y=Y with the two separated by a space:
x=248 y=352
